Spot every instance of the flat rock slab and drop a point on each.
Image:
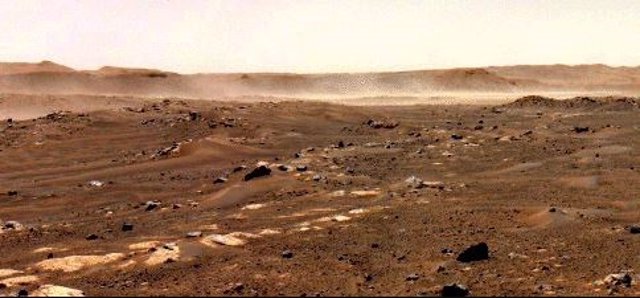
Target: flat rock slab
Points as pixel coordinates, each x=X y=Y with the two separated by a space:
x=365 y=193
x=228 y=240
x=163 y=254
x=56 y=291
x=75 y=263
x=19 y=280
x=8 y=272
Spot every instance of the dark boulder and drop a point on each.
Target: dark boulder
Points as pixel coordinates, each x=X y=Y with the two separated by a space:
x=454 y=290
x=150 y=205
x=127 y=227
x=258 y=172
x=579 y=129
x=92 y=237
x=477 y=252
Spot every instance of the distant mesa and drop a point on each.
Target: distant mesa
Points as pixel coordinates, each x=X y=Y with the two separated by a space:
x=26 y=68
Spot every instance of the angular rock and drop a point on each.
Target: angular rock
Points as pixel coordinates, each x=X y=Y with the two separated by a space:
x=220 y=180
x=456 y=137
x=301 y=168
x=477 y=252
x=13 y=225
x=194 y=234
x=284 y=168
x=170 y=246
x=618 y=279
x=258 y=172
x=454 y=290
x=239 y=168
x=91 y=237
x=507 y=138
x=287 y=254
x=368 y=277
x=634 y=229
x=412 y=277
x=193 y=116
x=580 y=129
x=150 y=205
x=414 y=182
x=127 y=227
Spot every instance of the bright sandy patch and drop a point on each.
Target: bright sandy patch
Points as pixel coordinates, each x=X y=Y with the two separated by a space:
x=75 y=263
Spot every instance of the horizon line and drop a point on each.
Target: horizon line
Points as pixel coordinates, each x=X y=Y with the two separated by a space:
x=403 y=70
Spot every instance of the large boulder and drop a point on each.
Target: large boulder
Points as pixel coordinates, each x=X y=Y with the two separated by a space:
x=477 y=252
x=258 y=172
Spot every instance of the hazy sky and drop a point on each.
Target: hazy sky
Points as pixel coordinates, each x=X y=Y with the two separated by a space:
x=317 y=36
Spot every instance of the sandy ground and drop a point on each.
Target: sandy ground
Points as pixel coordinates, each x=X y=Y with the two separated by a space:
x=29 y=106
x=148 y=197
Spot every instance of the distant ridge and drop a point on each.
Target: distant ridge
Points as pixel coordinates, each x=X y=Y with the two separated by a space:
x=26 y=68
x=49 y=77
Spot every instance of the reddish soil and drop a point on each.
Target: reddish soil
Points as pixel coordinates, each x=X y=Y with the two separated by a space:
x=554 y=204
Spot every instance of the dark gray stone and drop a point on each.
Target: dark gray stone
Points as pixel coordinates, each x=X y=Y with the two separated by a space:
x=477 y=252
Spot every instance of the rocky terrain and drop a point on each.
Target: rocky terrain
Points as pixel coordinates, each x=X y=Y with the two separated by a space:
x=170 y=196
